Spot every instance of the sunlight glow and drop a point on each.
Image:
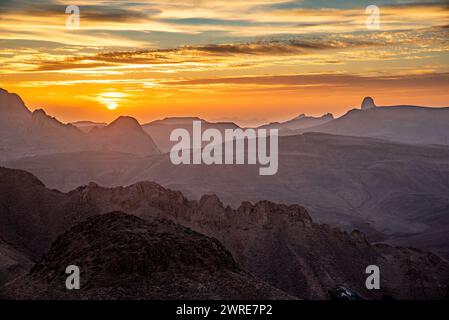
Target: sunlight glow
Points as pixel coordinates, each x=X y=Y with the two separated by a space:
x=112 y=106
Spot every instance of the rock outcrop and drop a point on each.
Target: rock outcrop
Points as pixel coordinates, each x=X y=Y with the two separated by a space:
x=368 y=103
x=124 y=257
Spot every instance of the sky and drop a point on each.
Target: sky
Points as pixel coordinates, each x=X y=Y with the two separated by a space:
x=247 y=61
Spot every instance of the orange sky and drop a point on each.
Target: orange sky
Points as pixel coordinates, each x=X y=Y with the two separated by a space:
x=276 y=60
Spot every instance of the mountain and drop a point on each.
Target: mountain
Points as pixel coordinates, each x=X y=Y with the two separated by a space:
x=123 y=135
x=300 y=122
x=407 y=124
x=24 y=133
x=277 y=243
x=395 y=193
x=12 y=263
x=13 y=110
x=160 y=130
x=86 y=126
x=124 y=257
x=31 y=216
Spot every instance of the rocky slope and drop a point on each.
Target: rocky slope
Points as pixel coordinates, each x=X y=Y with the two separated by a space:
x=12 y=263
x=279 y=244
x=124 y=257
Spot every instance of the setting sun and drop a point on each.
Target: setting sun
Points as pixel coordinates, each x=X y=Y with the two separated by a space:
x=112 y=106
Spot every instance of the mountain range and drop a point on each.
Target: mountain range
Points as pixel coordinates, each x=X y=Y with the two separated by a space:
x=278 y=244
x=396 y=193
x=401 y=123
x=25 y=133
x=383 y=170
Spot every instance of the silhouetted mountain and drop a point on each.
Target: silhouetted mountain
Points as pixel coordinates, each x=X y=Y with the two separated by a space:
x=123 y=135
x=12 y=109
x=280 y=244
x=407 y=124
x=300 y=122
x=24 y=133
x=124 y=257
x=160 y=129
x=86 y=126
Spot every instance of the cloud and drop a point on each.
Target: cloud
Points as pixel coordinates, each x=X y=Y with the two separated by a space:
x=325 y=79
x=201 y=53
x=100 y=12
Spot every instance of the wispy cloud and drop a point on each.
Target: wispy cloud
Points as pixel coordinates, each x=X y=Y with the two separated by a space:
x=189 y=52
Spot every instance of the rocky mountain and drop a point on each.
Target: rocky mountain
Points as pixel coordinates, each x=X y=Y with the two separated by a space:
x=277 y=243
x=402 y=123
x=395 y=193
x=367 y=103
x=160 y=130
x=24 y=133
x=124 y=257
x=12 y=263
x=300 y=122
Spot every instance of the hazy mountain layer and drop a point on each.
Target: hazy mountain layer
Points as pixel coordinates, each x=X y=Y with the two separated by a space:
x=24 y=133
x=160 y=130
x=298 y=123
x=408 y=124
x=394 y=192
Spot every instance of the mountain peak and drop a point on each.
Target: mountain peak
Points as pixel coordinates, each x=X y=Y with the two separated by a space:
x=368 y=103
x=12 y=103
x=125 y=122
x=39 y=113
x=302 y=115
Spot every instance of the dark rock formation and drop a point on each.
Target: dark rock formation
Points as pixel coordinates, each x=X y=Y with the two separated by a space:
x=368 y=103
x=124 y=257
x=278 y=243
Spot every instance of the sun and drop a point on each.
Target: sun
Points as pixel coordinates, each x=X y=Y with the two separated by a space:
x=112 y=106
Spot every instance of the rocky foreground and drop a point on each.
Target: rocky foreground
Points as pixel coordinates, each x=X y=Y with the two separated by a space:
x=124 y=257
x=276 y=243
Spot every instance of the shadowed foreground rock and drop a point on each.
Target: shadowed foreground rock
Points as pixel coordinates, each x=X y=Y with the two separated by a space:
x=124 y=257
x=277 y=243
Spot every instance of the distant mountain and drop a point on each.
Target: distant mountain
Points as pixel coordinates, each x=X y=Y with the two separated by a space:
x=300 y=122
x=13 y=111
x=396 y=193
x=278 y=243
x=408 y=124
x=24 y=133
x=123 y=135
x=86 y=126
x=160 y=130
x=124 y=257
